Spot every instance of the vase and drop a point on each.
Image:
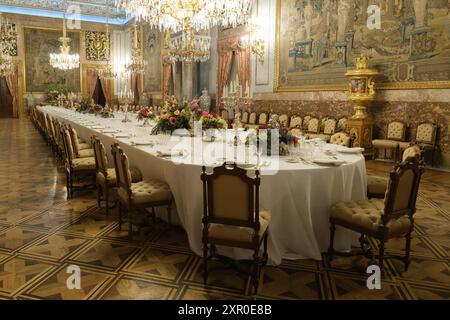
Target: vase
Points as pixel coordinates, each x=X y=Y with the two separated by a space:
x=205 y=101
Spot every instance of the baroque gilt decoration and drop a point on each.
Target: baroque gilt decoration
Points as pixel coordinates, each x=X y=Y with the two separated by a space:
x=97 y=46
x=318 y=40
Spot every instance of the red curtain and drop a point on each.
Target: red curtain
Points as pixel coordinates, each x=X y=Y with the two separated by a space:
x=106 y=87
x=92 y=76
x=243 y=66
x=12 y=82
x=223 y=75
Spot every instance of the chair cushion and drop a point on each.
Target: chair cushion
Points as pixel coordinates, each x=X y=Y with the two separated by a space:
x=86 y=153
x=377 y=185
x=324 y=137
x=136 y=176
x=83 y=146
x=391 y=144
x=241 y=234
x=404 y=145
x=83 y=164
x=146 y=191
x=367 y=214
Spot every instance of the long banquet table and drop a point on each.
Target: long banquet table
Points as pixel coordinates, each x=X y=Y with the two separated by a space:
x=299 y=195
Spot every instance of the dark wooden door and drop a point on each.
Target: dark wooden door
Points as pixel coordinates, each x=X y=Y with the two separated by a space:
x=6 y=100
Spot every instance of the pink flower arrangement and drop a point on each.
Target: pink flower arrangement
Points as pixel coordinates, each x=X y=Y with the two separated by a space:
x=212 y=121
x=145 y=113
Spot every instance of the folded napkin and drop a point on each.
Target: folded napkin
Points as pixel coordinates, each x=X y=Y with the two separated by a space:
x=325 y=161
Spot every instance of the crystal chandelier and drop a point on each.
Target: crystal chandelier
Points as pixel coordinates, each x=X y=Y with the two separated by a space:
x=108 y=73
x=254 y=41
x=171 y=15
x=64 y=60
x=190 y=46
x=137 y=64
x=8 y=34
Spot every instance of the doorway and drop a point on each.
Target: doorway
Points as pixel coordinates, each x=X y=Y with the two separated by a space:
x=99 y=96
x=6 y=100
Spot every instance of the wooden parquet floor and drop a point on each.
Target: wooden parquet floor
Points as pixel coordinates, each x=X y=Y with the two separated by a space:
x=41 y=234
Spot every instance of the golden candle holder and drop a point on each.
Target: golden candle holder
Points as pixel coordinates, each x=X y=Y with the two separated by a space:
x=361 y=87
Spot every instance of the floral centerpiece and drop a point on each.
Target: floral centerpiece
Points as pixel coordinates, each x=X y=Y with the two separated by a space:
x=173 y=117
x=212 y=121
x=107 y=112
x=54 y=90
x=285 y=137
x=145 y=114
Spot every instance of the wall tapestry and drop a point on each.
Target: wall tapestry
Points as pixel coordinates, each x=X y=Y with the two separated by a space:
x=317 y=40
x=152 y=54
x=39 y=43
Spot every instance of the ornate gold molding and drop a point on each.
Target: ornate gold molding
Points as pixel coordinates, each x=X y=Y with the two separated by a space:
x=97 y=46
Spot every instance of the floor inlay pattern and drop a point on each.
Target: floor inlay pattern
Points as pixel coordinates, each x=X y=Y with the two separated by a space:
x=42 y=234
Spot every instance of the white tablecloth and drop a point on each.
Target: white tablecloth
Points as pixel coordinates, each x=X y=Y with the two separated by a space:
x=298 y=195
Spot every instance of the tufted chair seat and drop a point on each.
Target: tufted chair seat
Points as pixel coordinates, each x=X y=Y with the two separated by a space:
x=324 y=137
x=389 y=144
x=86 y=153
x=376 y=186
x=367 y=215
x=83 y=164
x=83 y=145
x=146 y=191
x=220 y=232
x=136 y=176
x=340 y=139
x=396 y=132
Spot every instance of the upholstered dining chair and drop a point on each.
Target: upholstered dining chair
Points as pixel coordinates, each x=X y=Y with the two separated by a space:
x=252 y=118
x=262 y=119
x=224 y=114
x=244 y=118
x=342 y=139
x=81 y=149
x=239 y=223
x=342 y=125
x=383 y=219
x=296 y=122
x=426 y=139
x=106 y=176
x=284 y=120
x=58 y=139
x=306 y=120
x=75 y=167
x=396 y=133
x=313 y=126
x=377 y=185
x=144 y=194
x=329 y=128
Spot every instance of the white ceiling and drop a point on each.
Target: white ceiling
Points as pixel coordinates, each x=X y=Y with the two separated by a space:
x=91 y=10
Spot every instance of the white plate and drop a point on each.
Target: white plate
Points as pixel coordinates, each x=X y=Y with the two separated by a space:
x=329 y=162
x=292 y=160
x=121 y=135
x=142 y=143
x=351 y=150
x=109 y=131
